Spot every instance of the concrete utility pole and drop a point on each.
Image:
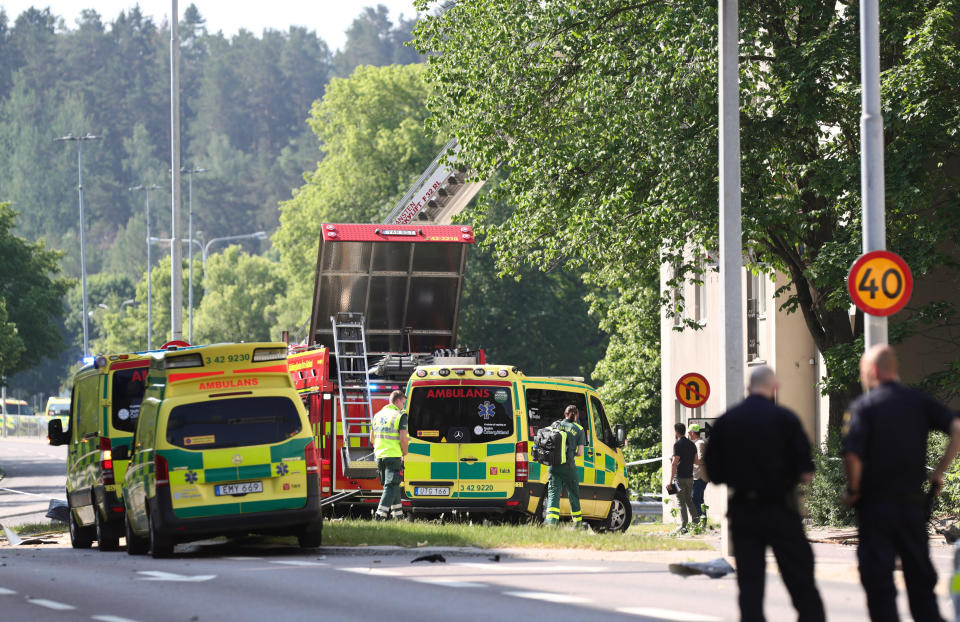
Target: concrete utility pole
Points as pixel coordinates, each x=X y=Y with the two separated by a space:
x=871 y=154
x=147 y=189
x=731 y=235
x=176 y=263
x=190 y=171
x=83 y=254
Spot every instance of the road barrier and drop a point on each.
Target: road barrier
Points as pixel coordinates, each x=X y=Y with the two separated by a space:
x=29 y=426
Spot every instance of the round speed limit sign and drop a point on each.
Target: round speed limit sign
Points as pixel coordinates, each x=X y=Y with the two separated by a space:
x=880 y=283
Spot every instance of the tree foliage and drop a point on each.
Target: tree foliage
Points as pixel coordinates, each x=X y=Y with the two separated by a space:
x=605 y=113
x=31 y=295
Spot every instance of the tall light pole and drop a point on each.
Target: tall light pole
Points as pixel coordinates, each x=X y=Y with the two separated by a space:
x=147 y=190
x=731 y=233
x=190 y=171
x=259 y=235
x=176 y=264
x=83 y=256
x=871 y=154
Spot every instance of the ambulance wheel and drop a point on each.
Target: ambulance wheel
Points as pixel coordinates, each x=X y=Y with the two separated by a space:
x=135 y=544
x=620 y=515
x=107 y=537
x=310 y=536
x=159 y=546
x=80 y=537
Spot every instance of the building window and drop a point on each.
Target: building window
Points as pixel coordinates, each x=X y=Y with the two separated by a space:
x=753 y=316
x=700 y=297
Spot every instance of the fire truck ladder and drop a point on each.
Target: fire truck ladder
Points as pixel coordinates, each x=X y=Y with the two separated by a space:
x=353 y=384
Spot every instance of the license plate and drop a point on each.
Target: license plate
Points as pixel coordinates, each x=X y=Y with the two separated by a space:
x=432 y=492
x=239 y=489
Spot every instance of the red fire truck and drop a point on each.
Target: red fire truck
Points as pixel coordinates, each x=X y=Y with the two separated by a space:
x=386 y=299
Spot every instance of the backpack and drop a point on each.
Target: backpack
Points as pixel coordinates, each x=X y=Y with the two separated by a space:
x=550 y=446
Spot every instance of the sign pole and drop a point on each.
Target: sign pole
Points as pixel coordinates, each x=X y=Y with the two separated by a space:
x=871 y=154
x=731 y=234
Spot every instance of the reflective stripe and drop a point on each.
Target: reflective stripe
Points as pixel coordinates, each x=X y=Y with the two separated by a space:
x=577 y=519
x=577 y=513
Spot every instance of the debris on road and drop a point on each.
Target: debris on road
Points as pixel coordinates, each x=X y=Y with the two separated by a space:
x=58 y=510
x=435 y=557
x=14 y=540
x=714 y=568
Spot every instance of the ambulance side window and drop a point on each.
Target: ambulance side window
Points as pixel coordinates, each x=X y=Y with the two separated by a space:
x=544 y=406
x=87 y=403
x=604 y=432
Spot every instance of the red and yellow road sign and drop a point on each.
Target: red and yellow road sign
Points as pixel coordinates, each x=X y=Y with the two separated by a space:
x=693 y=390
x=880 y=283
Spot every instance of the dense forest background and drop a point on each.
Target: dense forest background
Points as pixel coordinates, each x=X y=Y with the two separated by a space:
x=290 y=133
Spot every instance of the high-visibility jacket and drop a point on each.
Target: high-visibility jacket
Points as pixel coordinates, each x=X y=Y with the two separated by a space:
x=386 y=432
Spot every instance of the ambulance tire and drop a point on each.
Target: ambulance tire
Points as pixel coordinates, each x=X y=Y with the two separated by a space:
x=160 y=546
x=80 y=537
x=620 y=515
x=135 y=544
x=107 y=537
x=310 y=536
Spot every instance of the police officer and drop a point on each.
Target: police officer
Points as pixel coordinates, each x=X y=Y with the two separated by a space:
x=565 y=475
x=884 y=452
x=761 y=451
x=389 y=438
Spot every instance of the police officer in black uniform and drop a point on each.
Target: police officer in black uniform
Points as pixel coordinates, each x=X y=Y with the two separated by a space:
x=884 y=451
x=761 y=451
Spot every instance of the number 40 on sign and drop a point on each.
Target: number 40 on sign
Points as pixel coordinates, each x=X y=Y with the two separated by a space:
x=880 y=283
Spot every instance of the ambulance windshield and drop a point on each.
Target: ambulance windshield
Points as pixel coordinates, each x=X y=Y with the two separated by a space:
x=128 y=388
x=460 y=414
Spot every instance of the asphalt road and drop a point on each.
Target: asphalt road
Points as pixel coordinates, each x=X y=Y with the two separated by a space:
x=35 y=473
x=257 y=579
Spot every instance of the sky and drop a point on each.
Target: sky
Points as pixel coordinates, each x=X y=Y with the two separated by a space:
x=329 y=18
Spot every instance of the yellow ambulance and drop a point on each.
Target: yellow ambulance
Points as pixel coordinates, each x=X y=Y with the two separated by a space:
x=471 y=432
x=222 y=447
x=101 y=417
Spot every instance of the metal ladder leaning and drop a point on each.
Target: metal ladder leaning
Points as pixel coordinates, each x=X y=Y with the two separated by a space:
x=353 y=385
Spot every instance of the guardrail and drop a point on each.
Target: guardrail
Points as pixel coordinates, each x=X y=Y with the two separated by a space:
x=29 y=426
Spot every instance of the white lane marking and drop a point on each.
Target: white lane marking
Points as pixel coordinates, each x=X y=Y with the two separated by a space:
x=241 y=558
x=299 y=562
x=6 y=592
x=373 y=571
x=447 y=582
x=158 y=575
x=492 y=566
x=668 y=614
x=111 y=619
x=549 y=597
x=569 y=568
x=50 y=604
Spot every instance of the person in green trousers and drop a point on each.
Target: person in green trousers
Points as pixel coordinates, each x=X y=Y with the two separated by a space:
x=565 y=474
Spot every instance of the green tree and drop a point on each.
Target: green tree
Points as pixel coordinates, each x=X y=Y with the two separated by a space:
x=241 y=290
x=372 y=39
x=371 y=133
x=31 y=294
x=605 y=113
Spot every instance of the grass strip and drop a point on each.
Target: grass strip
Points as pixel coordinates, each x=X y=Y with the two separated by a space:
x=35 y=529
x=640 y=537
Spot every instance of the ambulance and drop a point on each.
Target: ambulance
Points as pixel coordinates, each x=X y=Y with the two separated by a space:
x=103 y=410
x=223 y=446
x=471 y=429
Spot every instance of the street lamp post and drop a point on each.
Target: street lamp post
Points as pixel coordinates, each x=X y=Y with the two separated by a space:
x=83 y=257
x=147 y=189
x=190 y=171
x=259 y=235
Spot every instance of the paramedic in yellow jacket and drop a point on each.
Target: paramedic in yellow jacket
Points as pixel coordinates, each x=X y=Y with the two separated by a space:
x=565 y=475
x=389 y=438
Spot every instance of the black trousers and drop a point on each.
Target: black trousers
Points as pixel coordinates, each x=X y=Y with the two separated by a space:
x=754 y=526
x=888 y=530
